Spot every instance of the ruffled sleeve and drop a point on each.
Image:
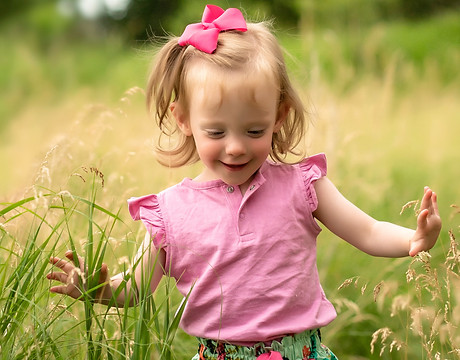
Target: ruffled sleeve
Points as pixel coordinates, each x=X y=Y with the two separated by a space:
x=312 y=169
x=147 y=209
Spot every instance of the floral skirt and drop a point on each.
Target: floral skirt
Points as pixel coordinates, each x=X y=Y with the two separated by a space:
x=304 y=346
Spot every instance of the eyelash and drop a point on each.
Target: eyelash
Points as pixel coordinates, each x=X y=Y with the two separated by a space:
x=218 y=134
x=215 y=134
x=256 y=133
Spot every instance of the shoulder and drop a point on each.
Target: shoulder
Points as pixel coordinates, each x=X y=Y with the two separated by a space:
x=300 y=178
x=153 y=205
x=315 y=165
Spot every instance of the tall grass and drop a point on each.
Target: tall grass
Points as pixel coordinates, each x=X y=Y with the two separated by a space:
x=387 y=133
x=415 y=314
x=36 y=324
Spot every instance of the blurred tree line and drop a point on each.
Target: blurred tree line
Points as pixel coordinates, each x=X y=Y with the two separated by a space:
x=138 y=19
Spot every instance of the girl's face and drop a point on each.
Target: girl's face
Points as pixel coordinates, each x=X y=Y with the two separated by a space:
x=232 y=123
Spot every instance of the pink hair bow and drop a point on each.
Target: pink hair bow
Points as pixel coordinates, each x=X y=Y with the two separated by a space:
x=204 y=35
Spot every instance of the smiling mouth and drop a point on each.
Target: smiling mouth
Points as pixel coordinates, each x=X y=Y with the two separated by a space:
x=234 y=167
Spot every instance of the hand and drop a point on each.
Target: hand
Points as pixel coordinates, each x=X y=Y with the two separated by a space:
x=74 y=278
x=428 y=224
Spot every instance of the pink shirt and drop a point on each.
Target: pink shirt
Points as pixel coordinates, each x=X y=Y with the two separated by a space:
x=252 y=258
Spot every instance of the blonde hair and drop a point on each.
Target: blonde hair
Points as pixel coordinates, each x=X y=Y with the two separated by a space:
x=256 y=50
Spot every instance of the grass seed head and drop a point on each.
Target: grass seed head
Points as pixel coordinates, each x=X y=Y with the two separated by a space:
x=377 y=289
x=384 y=334
x=410 y=275
x=346 y=283
x=400 y=303
x=410 y=204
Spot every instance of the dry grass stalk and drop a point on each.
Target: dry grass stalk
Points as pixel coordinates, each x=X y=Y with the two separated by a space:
x=429 y=311
x=353 y=280
x=414 y=204
x=385 y=334
x=377 y=289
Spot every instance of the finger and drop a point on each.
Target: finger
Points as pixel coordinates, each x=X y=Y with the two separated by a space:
x=426 y=200
x=58 y=276
x=69 y=255
x=104 y=273
x=59 y=290
x=62 y=264
x=73 y=257
x=66 y=290
x=414 y=250
x=422 y=218
x=103 y=279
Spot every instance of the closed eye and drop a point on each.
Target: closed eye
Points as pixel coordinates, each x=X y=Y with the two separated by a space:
x=214 y=133
x=256 y=133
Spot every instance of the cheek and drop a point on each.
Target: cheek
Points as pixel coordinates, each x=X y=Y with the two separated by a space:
x=263 y=146
x=207 y=149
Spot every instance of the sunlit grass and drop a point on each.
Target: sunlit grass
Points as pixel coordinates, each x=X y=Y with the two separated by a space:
x=36 y=324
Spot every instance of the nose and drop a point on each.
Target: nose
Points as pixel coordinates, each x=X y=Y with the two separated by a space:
x=235 y=146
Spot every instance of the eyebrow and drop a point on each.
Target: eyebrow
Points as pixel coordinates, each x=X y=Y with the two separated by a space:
x=213 y=124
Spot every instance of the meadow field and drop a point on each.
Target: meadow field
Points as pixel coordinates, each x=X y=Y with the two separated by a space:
x=77 y=142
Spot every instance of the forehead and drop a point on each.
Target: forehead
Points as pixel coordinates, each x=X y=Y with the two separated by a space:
x=210 y=83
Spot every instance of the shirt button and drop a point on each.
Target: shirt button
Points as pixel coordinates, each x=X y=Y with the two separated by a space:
x=230 y=189
x=252 y=187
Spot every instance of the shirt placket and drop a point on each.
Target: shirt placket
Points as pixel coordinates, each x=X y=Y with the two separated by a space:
x=238 y=205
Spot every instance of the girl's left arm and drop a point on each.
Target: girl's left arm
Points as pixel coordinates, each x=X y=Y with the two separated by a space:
x=376 y=237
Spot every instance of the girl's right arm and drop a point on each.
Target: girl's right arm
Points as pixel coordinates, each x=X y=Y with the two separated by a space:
x=148 y=264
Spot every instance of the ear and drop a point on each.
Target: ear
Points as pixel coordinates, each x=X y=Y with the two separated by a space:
x=283 y=111
x=181 y=118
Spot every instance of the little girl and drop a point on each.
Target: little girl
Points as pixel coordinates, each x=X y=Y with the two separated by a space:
x=242 y=234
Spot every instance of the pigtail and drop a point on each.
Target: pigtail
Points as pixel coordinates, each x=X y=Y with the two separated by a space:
x=165 y=85
x=162 y=83
x=287 y=139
